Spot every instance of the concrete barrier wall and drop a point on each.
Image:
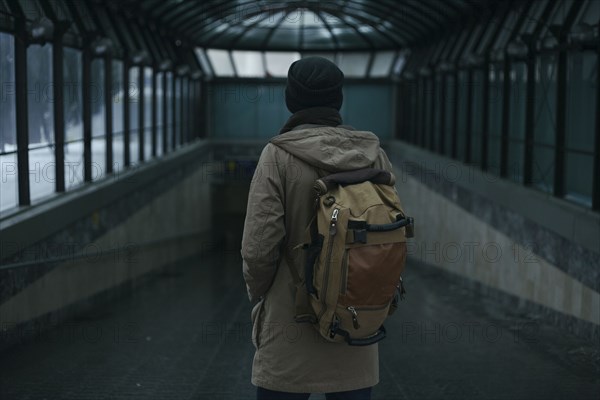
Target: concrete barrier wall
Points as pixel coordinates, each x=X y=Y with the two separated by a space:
x=161 y=218
x=491 y=233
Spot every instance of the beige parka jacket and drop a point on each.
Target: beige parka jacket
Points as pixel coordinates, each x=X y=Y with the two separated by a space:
x=290 y=356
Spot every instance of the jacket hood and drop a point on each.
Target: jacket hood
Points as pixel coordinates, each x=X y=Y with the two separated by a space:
x=333 y=149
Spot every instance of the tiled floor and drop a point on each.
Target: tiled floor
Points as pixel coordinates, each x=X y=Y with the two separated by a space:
x=186 y=335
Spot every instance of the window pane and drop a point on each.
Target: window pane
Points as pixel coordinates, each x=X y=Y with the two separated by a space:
x=278 y=63
x=461 y=114
x=582 y=89
x=148 y=75
x=437 y=118
x=589 y=13
x=495 y=123
x=159 y=113
x=41 y=172
x=118 y=109
x=428 y=101
x=204 y=62
x=185 y=109
x=544 y=131
x=354 y=64
x=400 y=64
x=476 y=116
x=327 y=56
x=221 y=63
x=8 y=127
x=177 y=118
x=516 y=131
x=420 y=111
x=382 y=64
x=411 y=116
x=169 y=116
x=134 y=106
x=582 y=84
x=98 y=120
x=580 y=177
x=248 y=64
x=9 y=193
x=40 y=96
x=73 y=118
x=449 y=113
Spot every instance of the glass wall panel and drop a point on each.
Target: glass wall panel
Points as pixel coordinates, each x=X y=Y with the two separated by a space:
x=328 y=56
x=169 y=116
x=428 y=101
x=134 y=122
x=437 y=118
x=221 y=63
x=40 y=102
x=278 y=63
x=9 y=192
x=9 y=197
x=495 y=119
x=544 y=131
x=411 y=115
x=354 y=64
x=400 y=63
x=159 y=113
x=582 y=89
x=177 y=116
x=476 y=115
x=148 y=74
x=419 y=112
x=185 y=109
x=516 y=130
x=248 y=64
x=118 y=110
x=98 y=120
x=461 y=114
x=449 y=102
x=73 y=111
x=382 y=64
x=204 y=62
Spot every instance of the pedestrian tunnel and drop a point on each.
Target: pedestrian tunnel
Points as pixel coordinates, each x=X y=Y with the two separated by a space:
x=130 y=133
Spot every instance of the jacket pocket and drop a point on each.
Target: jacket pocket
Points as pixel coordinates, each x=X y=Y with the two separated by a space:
x=257 y=319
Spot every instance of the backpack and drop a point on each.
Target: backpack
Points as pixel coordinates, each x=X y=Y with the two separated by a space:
x=355 y=255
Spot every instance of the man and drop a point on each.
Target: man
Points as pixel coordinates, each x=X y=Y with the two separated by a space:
x=292 y=360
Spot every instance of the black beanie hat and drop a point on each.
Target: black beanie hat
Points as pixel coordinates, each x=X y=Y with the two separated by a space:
x=314 y=82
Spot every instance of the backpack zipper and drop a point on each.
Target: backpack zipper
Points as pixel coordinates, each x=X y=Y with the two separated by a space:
x=354 y=317
x=344 y=279
x=332 y=233
x=354 y=311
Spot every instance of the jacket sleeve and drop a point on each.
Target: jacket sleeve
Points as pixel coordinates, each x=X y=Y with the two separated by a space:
x=264 y=228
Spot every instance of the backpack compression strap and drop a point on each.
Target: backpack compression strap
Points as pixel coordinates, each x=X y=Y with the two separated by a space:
x=376 y=337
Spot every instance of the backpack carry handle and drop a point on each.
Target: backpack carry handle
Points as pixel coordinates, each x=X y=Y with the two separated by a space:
x=391 y=226
x=363 y=225
x=373 y=175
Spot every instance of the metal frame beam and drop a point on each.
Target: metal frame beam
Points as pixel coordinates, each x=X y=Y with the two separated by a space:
x=21 y=105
